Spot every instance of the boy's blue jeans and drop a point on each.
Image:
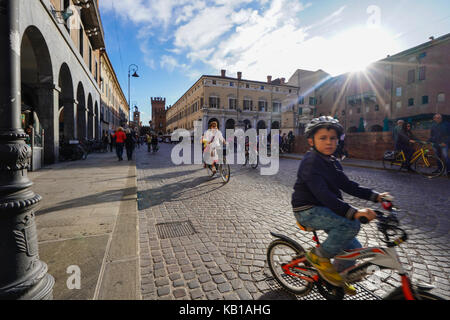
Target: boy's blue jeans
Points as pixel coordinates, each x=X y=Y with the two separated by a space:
x=341 y=232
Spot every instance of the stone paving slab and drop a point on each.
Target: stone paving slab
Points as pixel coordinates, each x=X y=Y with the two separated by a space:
x=88 y=218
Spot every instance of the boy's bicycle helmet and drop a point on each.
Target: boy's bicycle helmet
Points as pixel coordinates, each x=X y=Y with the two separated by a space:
x=323 y=122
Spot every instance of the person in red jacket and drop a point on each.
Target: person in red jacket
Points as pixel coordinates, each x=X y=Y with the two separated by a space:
x=120 y=137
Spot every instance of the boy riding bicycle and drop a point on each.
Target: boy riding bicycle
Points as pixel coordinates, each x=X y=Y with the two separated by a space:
x=317 y=200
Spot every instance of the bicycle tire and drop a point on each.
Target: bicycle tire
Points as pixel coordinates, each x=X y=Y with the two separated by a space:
x=288 y=283
x=419 y=294
x=431 y=170
x=225 y=172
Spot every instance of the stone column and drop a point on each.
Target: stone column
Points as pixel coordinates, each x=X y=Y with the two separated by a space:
x=22 y=274
x=48 y=101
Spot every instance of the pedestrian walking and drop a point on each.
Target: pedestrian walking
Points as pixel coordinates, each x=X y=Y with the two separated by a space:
x=440 y=138
x=130 y=142
x=105 y=142
x=110 y=141
x=120 y=138
x=395 y=132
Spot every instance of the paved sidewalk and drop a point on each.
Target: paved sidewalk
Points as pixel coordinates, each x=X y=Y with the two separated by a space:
x=88 y=218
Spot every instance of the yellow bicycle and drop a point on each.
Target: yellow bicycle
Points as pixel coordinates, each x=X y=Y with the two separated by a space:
x=425 y=162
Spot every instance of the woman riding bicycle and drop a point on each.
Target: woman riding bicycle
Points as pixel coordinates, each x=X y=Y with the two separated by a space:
x=212 y=140
x=405 y=140
x=317 y=200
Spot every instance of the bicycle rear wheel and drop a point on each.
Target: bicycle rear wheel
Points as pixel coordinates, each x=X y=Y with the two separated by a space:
x=428 y=166
x=279 y=254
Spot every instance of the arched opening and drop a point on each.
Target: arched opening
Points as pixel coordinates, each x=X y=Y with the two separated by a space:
x=81 y=113
x=90 y=111
x=261 y=125
x=230 y=124
x=66 y=105
x=97 y=121
x=247 y=124
x=376 y=128
x=275 y=125
x=37 y=89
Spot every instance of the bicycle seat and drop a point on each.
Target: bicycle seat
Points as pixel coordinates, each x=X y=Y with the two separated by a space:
x=305 y=228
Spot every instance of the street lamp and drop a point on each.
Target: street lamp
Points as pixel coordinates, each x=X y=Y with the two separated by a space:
x=134 y=68
x=22 y=274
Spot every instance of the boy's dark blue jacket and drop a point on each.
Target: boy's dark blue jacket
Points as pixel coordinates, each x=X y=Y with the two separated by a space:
x=319 y=181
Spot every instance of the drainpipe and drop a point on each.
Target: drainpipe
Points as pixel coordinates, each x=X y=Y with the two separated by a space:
x=22 y=274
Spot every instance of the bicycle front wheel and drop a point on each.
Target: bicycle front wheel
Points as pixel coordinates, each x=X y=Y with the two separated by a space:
x=225 y=172
x=429 y=166
x=419 y=294
x=280 y=253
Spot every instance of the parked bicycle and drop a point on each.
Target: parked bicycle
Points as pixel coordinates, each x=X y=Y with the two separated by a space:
x=425 y=162
x=223 y=169
x=72 y=151
x=294 y=273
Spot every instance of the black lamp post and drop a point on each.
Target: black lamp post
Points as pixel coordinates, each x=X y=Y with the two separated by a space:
x=22 y=274
x=134 y=68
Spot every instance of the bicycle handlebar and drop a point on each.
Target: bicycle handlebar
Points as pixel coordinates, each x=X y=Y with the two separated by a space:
x=387 y=223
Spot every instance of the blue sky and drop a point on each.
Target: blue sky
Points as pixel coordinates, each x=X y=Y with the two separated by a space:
x=174 y=42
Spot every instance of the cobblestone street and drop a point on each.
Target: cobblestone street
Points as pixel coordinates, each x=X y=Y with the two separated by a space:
x=225 y=258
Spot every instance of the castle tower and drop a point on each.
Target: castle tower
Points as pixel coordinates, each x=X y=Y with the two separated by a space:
x=159 y=115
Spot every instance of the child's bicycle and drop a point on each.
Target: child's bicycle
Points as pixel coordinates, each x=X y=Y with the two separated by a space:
x=425 y=162
x=288 y=264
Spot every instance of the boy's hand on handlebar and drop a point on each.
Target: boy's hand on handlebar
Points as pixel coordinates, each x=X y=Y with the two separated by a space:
x=366 y=212
x=384 y=196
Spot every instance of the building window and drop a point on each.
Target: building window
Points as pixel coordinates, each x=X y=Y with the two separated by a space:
x=312 y=101
x=231 y=84
x=301 y=100
x=81 y=40
x=247 y=85
x=232 y=103
x=300 y=111
x=358 y=110
x=343 y=112
x=214 y=82
x=424 y=99
x=411 y=76
x=367 y=109
x=276 y=106
x=262 y=105
x=398 y=91
x=214 y=102
x=96 y=71
x=387 y=83
x=410 y=102
x=90 y=59
x=422 y=73
x=262 y=87
x=441 y=97
x=377 y=107
x=248 y=104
